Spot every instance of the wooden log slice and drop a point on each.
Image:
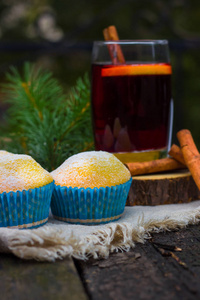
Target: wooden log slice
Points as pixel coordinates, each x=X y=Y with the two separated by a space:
x=163 y=188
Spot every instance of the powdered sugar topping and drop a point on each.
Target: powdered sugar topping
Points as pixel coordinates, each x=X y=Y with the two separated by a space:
x=19 y=172
x=91 y=169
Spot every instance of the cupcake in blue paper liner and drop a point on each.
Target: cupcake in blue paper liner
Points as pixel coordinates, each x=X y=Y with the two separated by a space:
x=25 y=192
x=90 y=188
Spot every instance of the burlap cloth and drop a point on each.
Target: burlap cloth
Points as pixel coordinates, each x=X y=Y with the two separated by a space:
x=57 y=239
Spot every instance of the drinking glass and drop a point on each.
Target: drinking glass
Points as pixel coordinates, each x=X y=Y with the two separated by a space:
x=132 y=106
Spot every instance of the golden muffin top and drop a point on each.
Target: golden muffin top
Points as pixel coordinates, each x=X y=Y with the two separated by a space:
x=21 y=172
x=91 y=169
x=4 y=152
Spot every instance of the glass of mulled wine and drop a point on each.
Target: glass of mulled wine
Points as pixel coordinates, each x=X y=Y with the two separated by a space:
x=132 y=106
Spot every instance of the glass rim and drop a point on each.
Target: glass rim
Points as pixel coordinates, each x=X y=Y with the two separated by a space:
x=133 y=42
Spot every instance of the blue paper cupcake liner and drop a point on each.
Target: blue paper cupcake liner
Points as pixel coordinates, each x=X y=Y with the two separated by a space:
x=89 y=206
x=27 y=208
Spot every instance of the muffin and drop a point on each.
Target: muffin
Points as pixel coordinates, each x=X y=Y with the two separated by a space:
x=25 y=191
x=4 y=152
x=90 y=188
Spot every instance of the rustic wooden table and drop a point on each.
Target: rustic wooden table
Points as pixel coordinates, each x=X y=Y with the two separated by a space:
x=153 y=270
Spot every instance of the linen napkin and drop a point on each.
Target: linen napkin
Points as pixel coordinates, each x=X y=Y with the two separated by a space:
x=57 y=240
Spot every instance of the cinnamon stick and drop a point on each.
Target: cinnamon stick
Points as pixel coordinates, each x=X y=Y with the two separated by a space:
x=110 y=34
x=176 y=153
x=106 y=34
x=112 y=48
x=190 y=153
x=154 y=166
x=113 y=34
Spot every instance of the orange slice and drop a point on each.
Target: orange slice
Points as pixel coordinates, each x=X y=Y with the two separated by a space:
x=139 y=69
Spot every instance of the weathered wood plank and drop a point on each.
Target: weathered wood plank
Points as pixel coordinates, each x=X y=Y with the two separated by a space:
x=146 y=273
x=143 y=273
x=22 y=280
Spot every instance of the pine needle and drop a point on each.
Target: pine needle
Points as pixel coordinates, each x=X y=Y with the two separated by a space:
x=42 y=120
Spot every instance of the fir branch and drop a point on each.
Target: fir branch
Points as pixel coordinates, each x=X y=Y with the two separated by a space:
x=25 y=85
x=42 y=120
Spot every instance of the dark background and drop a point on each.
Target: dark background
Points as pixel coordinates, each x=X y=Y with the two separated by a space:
x=58 y=35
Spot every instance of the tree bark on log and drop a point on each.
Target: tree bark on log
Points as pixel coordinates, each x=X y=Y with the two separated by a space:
x=163 y=188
